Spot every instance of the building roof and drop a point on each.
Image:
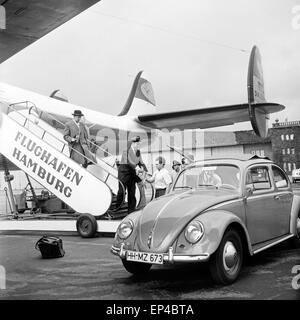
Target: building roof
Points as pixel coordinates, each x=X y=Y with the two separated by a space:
x=286 y=124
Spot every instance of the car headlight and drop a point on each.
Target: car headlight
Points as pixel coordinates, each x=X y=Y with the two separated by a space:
x=194 y=232
x=125 y=229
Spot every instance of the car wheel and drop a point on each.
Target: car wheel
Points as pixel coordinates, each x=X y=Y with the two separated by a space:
x=226 y=262
x=86 y=225
x=136 y=268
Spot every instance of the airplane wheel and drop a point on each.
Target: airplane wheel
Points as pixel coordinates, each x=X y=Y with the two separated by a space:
x=86 y=225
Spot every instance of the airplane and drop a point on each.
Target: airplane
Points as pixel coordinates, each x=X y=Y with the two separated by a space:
x=256 y=110
x=67 y=179
x=24 y=26
x=28 y=115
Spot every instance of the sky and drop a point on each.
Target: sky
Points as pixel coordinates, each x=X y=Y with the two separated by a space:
x=195 y=54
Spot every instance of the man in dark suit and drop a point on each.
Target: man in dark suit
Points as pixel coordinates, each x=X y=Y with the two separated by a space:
x=76 y=134
x=130 y=163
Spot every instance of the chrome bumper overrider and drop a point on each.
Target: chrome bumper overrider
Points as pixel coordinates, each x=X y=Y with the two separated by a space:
x=169 y=257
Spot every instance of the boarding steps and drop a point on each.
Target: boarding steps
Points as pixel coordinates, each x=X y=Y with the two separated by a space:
x=106 y=168
x=40 y=151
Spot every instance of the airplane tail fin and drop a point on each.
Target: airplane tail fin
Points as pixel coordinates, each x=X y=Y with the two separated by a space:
x=140 y=99
x=256 y=109
x=256 y=94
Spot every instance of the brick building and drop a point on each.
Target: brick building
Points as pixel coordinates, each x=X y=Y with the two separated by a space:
x=282 y=144
x=285 y=138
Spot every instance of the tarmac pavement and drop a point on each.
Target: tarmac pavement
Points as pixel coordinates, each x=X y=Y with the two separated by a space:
x=89 y=271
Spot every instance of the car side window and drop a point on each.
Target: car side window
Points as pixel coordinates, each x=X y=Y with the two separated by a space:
x=258 y=178
x=279 y=178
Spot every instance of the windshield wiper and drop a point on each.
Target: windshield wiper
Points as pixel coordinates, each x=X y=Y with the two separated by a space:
x=207 y=185
x=183 y=187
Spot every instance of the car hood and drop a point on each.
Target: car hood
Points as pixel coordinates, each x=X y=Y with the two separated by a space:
x=163 y=219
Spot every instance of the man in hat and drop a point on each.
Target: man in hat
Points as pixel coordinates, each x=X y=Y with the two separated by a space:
x=176 y=169
x=186 y=160
x=76 y=134
x=131 y=162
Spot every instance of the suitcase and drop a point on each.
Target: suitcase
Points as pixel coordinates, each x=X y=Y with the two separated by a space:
x=50 y=247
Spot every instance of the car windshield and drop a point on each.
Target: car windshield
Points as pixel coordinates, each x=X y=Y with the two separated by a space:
x=209 y=176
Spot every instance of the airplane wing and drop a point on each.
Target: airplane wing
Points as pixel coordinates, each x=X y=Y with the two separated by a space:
x=27 y=21
x=206 y=117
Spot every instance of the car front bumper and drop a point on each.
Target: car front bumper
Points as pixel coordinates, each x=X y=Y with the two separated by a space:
x=169 y=257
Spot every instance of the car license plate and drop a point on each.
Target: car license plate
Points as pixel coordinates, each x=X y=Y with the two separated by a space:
x=146 y=257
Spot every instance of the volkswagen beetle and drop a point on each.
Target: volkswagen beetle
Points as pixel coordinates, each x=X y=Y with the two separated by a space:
x=219 y=210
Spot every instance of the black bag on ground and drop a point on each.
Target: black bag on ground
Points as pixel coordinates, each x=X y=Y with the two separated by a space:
x=50 y=247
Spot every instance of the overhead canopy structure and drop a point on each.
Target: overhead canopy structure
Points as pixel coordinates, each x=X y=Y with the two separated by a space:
x=29 y=20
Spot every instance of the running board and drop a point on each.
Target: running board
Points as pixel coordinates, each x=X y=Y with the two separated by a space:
x=273 y=243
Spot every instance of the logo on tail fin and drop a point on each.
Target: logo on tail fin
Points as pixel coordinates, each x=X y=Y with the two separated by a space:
x=141 y=89
x=144 y=91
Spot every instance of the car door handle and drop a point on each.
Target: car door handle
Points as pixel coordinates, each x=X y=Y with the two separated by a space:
x=276 y=197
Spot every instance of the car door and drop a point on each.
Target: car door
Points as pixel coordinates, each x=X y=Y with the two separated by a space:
x=284 y=199
x=261 y=205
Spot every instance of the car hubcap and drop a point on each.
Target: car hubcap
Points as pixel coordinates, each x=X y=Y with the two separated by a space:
x=230 y=257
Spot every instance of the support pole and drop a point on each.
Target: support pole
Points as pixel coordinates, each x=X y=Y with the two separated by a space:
x=31 y=189
x=8 y=178
x=7 y=201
